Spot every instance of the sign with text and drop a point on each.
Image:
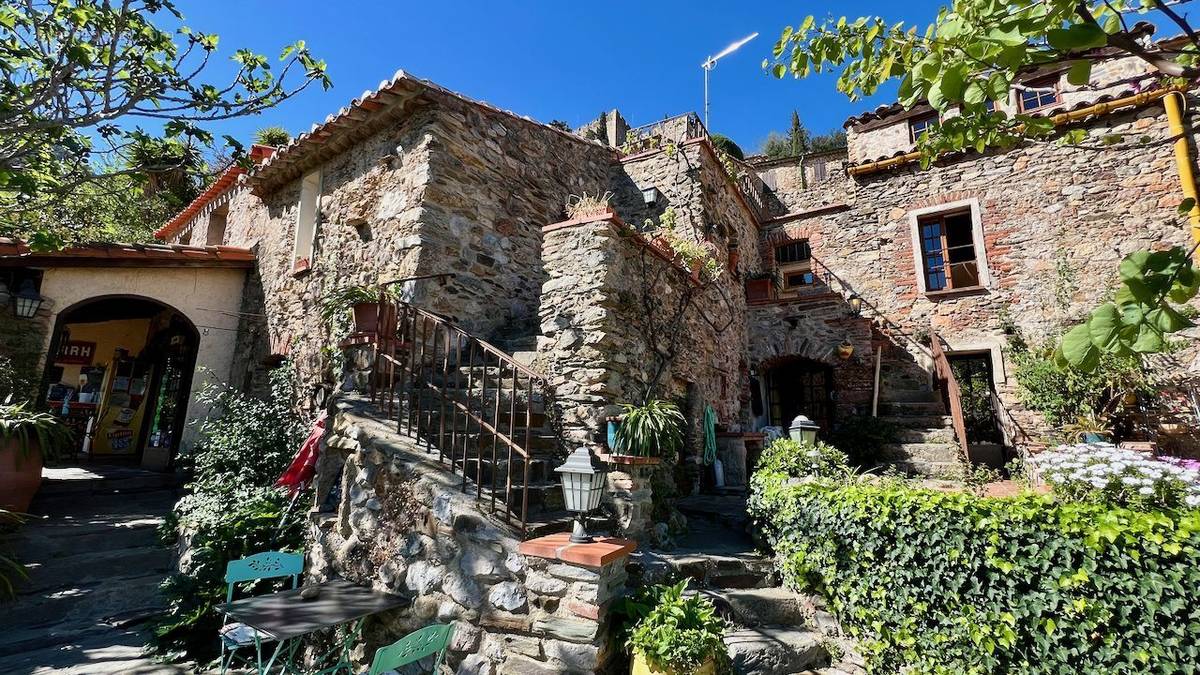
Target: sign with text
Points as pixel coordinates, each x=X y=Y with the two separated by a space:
x=76 y=352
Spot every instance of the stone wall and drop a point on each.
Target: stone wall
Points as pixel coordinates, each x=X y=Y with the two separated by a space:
x=445 y=187
x=404 y=525
x=1056 y=221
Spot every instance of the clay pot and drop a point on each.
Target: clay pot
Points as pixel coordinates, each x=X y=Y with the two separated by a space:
x=845 y=351
x=20 y=476
x=366 y=316
x=758 y=289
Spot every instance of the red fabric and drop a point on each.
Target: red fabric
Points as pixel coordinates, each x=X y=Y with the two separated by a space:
x=302 y=469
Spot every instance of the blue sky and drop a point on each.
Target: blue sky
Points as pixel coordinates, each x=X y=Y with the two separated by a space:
x=547 y=60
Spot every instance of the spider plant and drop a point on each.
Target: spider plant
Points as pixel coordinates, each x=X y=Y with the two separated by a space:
x=651 y=430
x=32 y=430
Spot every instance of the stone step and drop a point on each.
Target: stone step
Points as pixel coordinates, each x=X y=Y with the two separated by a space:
x=925 y=452
x=133 y=482
x=898 y=395
x=919 y=421
x=775 y=650
x=757 y=606
x=917 y=435
x=912 y=408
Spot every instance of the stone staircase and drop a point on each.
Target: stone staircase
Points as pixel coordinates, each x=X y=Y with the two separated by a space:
x=773 y=631
x=925 y=442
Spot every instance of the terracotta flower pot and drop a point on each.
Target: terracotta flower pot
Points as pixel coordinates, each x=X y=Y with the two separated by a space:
x=366 y=317
x=845 y=351
x=758 y=289
x=643 y=667
x=20 y=476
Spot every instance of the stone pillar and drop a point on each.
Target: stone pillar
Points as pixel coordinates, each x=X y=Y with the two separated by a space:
x=629 y=493
x=570 y=589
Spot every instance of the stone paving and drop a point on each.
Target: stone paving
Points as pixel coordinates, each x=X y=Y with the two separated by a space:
x=94 y=566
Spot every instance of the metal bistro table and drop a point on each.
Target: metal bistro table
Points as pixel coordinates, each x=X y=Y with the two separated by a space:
x=287 y=617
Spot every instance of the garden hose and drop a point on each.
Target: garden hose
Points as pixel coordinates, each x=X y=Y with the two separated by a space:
x=710 y=435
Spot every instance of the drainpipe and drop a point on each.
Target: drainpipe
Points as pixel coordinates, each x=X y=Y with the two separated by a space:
x=1174 y=103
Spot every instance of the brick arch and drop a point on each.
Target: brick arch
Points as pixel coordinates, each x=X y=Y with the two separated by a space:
x=944 y=198
x=784 y=235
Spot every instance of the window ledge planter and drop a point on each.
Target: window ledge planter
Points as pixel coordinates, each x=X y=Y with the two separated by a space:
x=629 y=460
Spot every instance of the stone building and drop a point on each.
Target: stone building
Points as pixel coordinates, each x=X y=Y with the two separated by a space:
x=523 y=319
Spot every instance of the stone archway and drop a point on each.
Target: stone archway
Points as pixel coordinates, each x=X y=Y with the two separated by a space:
x=118 y=371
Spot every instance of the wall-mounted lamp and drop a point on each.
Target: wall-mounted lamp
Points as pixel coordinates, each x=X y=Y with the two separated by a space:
x=28 y=300
x=856 y=302
x=650 y=195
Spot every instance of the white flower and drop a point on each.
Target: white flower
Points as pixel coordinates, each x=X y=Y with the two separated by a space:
x=1145 y=491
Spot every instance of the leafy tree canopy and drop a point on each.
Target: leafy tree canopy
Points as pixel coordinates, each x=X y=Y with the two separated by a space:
x=80 y=75
x=726 y=145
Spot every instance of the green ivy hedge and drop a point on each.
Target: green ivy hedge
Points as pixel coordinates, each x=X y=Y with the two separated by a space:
x=952 y=583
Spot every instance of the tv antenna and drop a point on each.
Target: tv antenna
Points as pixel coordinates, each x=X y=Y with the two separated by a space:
x=712 y=61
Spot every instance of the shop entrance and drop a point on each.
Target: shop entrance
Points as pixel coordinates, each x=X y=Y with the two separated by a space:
x=119 y=373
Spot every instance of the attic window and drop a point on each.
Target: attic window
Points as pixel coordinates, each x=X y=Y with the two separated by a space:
x=1039 y=94
x=920 y=125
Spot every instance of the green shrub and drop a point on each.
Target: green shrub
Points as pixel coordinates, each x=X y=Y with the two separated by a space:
x=1064 y=395
x=953 y=583
x=232 y=510
x=677 y=633
x=799 y=460
x=726 y=145
x=861 y=438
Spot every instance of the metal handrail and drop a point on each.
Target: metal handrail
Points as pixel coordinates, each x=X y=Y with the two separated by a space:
x=419 y=359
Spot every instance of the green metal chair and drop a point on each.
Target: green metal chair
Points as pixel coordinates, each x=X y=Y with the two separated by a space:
x=414 y=647
x=268 y=565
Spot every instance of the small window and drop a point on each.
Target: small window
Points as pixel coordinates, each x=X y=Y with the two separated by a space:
x=794 y=252
x=216 y=227
x=1040 y=94
x=948 y=251
x=306 y=221
x=794 y=279
x=920 y=125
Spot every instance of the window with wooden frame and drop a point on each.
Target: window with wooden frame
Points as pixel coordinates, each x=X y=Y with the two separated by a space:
x=794 y=262
x=1038 y=94
x=919 y=125
x=306 y=221
x=949 y=259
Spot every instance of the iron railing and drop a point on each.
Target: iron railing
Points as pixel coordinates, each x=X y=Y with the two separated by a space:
x=678 y=129
x=462 y=397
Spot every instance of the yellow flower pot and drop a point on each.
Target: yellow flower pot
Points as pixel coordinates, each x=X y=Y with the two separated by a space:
x=643 y=667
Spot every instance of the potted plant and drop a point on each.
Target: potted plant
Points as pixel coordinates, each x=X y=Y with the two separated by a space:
x=647 y=431
x=760 y=285
x=845 y=350
x=27 y=437
x=363 y=301
x=675 y=634
x=1089 y=428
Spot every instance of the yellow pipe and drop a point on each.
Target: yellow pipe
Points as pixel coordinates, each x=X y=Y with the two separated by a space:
x=1059 y=119
x=1174 y=103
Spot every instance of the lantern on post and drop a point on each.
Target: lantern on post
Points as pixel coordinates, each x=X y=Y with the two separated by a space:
x=583 y=485
x=803 y=430
x=27 y=300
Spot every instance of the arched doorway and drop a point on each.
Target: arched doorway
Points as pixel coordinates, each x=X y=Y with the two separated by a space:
x=800 y=386
x=119 y=373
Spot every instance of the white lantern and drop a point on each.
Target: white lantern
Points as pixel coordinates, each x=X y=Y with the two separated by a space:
x=583 y=486
x=803 y=430
x=28 y=300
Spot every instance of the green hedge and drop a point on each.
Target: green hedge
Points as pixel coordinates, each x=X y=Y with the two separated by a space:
x=953 y=583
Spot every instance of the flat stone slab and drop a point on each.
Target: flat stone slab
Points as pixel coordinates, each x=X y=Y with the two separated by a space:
x=775 y=650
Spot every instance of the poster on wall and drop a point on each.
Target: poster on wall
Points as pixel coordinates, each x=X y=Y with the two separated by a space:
x=120 y=439
x=76 y=352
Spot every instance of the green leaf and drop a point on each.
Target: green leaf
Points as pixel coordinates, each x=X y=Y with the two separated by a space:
x=1104 y=326
x=1186 y=206
x=1076 y=37
x=1078 y=349
x=1080 y=73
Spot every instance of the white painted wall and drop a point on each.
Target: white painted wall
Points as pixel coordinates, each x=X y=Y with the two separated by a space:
x=209 y=297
